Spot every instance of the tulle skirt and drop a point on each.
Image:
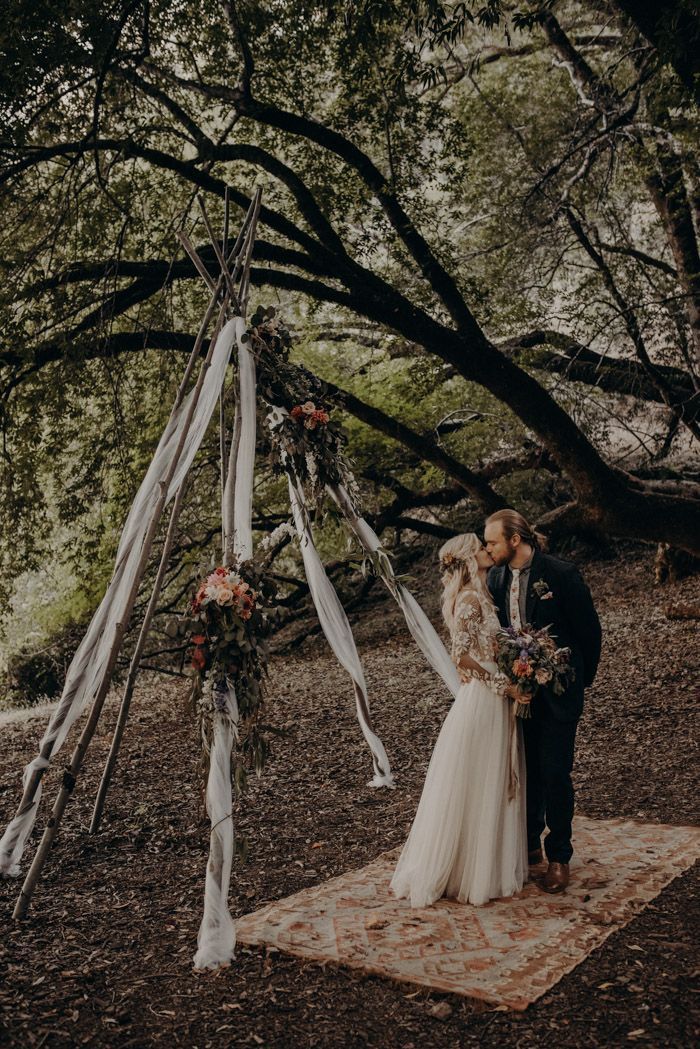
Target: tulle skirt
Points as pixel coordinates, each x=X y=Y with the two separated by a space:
x=468 y=840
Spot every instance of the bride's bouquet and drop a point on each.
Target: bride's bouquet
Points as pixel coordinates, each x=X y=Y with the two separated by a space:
x=530 y=658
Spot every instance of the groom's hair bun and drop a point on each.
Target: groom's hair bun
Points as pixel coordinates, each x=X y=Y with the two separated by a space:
x=514 y=523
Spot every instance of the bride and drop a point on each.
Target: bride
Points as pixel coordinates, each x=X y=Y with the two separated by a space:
x=468 y=839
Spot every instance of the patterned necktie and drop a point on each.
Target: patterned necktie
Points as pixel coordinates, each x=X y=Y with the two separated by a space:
x=515 y=599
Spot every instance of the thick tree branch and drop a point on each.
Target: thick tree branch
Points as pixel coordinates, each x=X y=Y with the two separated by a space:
x=332 y=141
x=640 y=256
x=611 y=374
x=188 y=169
x=422 y=446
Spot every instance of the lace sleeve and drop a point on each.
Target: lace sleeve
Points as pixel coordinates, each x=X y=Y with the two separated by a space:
x=470 y=644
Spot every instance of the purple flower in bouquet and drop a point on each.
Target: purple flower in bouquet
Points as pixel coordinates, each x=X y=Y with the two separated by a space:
x=531 y=660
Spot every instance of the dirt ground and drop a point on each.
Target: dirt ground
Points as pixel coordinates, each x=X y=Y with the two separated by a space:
x=105 y=957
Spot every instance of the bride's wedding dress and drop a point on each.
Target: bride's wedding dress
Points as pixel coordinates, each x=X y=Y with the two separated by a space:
x=468 y=840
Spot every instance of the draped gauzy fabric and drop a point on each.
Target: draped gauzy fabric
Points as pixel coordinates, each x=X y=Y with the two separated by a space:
x=245 y=461
x=90 y=663
x=422 y=630
x=337 y=629
x=216 y=940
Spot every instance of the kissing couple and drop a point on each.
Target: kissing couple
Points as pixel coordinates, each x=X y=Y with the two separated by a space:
x=495 y=781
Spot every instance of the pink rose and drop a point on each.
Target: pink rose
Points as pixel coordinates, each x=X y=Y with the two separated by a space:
x=224 y=596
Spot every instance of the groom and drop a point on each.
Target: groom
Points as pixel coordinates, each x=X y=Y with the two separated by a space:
x=530 y=587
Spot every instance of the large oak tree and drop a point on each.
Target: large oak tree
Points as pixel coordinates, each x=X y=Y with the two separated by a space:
x=517 y=207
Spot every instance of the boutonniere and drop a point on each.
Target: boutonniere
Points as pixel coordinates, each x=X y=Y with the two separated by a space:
x=541 y=588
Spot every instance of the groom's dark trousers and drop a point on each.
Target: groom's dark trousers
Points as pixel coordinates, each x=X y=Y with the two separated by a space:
x=549 y=758
x=558 y=598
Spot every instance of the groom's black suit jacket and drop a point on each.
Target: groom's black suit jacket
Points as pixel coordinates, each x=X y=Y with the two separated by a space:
x=571 y=616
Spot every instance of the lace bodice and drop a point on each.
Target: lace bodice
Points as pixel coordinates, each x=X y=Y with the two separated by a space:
x=473 y=636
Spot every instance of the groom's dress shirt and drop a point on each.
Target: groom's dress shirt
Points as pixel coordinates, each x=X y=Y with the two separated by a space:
x=523 y=580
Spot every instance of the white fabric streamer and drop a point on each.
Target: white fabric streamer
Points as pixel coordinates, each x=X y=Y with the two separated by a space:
x=422 y=630
x=243 y=495
x=336 y=627
x=216 y=939
x=90 y=662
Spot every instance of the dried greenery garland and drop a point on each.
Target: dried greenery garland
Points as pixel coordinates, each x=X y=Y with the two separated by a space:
x=306 y=442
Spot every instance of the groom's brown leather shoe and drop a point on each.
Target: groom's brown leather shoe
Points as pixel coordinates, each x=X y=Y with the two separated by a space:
x=535 y=857
x=557 y=877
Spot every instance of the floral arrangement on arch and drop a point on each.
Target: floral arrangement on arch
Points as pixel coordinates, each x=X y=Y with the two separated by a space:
x=228 y=621
x=306 y=441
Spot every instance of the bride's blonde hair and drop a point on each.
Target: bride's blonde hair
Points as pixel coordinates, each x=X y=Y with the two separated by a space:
x=460 y=572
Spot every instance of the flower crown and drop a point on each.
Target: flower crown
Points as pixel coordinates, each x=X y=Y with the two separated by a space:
x=451 y=562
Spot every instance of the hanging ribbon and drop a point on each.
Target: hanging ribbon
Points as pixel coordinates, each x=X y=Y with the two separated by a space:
x=420 y=627
x=336 y=627
x=216 y=939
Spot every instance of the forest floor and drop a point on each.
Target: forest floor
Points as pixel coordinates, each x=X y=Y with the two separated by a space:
x=105 y=957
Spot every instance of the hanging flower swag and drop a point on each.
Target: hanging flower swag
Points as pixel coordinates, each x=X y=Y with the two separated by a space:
x=228 y=623
x=305 y=441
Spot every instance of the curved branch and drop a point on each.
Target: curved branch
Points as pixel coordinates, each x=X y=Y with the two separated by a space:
x=164 y=272
x=611 y=374
x=332 y=141
x=425 y=448
x=197 y=135
x=187 y=169
x=437 y=276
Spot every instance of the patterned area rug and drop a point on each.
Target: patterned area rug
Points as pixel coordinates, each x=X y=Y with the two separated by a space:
x=509 y=952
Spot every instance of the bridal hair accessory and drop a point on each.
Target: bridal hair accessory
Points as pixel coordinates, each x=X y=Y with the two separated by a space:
x=451 y=563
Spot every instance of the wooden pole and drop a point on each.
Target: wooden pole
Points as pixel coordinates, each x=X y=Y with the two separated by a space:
x=73 y=769
x=141 y=643
x=142 y=638
x=223 y=463
x=230 y=486
x=223 y=468
x=248 y=258
x=162 y=568
x=219 y=255
x=194 y=255
x=227 y=212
